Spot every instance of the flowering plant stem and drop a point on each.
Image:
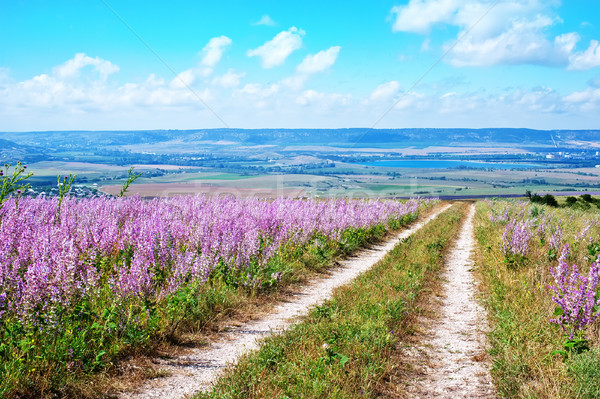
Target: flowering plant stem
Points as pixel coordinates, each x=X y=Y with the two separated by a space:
x=10 y=181
x=131 y=177
x=64 y=188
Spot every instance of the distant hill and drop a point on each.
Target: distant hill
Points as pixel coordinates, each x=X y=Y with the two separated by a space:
x=356 y=137
x=11 y=151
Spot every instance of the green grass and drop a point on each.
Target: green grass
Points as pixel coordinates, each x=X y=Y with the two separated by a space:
x=343 y=348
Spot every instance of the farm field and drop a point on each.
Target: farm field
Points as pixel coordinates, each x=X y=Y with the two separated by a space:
x=348 y=180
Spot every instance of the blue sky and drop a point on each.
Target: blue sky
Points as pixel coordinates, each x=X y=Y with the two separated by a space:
x=199 y=64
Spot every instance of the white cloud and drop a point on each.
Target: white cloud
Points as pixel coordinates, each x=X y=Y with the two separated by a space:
x=311 y=64
x=265 y=20
x=48 y=101
x=495 y=33
x=228 y=80
x=323 y=101
x=420 y=15
x=314 y=63
x=295 y=82
x=212 y=54
x=413 y=100
x=587 y=59
x=72 y=68
x=587 y=96
x=213 y=51
x=385 y=91
x=183 y=79
x=260 y=91
x=309 y=97
x=275 y=51
x=523 y=42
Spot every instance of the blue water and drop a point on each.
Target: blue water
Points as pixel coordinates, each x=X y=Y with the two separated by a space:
x=444 y=164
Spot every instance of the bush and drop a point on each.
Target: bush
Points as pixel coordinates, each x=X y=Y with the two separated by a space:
x=587 y=198
x=547 y=199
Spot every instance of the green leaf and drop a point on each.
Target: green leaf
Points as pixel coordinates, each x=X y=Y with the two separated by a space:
x=558 y=311
x=99 y=355
x=344 y=359
x=559 y=352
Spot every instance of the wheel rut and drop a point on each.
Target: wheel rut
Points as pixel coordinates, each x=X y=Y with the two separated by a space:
x=448 y=358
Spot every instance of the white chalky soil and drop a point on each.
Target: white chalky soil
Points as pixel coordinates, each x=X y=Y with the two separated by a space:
x=450 y=352
x=199 y=369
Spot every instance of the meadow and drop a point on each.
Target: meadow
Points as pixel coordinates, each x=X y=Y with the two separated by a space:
x=85 y=281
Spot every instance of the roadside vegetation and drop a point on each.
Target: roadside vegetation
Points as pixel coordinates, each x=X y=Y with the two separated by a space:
x=343 y=348
x=85 y=282
x=584 y=202
x=540 y=270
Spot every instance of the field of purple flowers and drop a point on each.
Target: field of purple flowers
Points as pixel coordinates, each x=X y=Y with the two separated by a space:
x=82 y=281
x=540 y=269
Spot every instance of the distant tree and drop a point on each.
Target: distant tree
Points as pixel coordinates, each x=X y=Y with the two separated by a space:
x=528 y=194
x=587 y=198
x=536 y=198
x=549 y=200
x=571 y=201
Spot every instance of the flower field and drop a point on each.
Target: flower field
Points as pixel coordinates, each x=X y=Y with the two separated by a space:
x=540 y=271
x=81 y=281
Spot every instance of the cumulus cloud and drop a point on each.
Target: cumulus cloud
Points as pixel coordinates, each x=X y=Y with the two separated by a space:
x=523 y=42
x=183 y=79
x=265 y=20
x=323 y=101
x=211 y=55
x=274 y=52
x=385 y=91
x=311 y=64
x=259 y=90
x=420 y=15
x=589 y=96
x=495 y=33
x=59 y=100
x=213 y=51
x=587 y=59
x=72 y=68
x=320 y=61
x=228 y=80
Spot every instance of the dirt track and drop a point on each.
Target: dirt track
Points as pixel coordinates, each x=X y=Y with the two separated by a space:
x=449 y=357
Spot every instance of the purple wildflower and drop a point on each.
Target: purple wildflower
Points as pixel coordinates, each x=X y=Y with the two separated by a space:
x=515 y=240
x=575 y=295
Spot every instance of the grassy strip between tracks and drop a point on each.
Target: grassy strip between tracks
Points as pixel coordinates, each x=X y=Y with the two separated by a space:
x=342 y=349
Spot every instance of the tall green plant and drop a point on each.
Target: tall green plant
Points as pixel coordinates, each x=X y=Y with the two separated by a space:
x=64 y=187
x=10 y=181
x=131 y=177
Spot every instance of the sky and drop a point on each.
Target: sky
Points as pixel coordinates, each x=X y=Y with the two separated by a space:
x=184 y=64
